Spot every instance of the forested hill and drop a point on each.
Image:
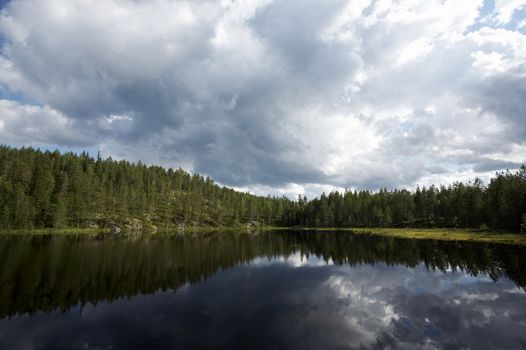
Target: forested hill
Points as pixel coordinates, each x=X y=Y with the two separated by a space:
x=49 y=189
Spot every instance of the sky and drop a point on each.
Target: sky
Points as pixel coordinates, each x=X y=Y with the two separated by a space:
x=280 y=97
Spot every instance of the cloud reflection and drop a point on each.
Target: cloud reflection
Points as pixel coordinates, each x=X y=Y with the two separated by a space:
x=295 y=303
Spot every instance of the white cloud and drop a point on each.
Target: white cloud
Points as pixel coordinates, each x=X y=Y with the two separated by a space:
x=22 y=124
x=504 y=9
x=277 y=96
x=418 y=48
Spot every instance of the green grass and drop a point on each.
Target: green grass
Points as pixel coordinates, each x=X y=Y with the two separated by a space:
x=409 y=233
x=442 y=234
x=54 y=231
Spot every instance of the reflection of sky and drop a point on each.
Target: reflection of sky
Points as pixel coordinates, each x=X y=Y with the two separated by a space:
x=295 y=302
x=295 y=260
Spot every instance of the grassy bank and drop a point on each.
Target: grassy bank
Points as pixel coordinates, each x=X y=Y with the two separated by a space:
x=437 y=233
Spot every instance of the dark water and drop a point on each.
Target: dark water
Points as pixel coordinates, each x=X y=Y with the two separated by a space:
x=281 y=290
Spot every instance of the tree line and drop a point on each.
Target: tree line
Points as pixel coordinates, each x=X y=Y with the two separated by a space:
x=40 y=189
x=499 y=205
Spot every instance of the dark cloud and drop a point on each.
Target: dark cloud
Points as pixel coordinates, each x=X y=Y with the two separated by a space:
x=504 y=95
x=486 y=164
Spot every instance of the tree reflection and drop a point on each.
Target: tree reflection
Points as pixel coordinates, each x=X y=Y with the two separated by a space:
x=57 y=272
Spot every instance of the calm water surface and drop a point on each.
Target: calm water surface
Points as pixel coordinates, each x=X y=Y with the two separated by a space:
x=281 y=290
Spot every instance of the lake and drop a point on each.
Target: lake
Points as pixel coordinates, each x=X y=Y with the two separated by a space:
x=271 y=290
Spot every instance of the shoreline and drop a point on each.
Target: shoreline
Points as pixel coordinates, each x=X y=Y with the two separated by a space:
x=442 y=234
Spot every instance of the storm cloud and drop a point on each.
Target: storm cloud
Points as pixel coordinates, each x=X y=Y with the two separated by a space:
x=283 y=96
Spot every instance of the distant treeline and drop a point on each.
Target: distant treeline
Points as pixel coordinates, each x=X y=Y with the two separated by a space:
x=49 y=189
x=499 y=205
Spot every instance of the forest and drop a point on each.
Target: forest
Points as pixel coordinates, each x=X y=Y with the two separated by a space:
x=44 y=189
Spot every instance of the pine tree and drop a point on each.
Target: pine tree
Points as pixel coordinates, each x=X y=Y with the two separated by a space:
x=41 y=189
x=76 y=200
x=58 y=201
